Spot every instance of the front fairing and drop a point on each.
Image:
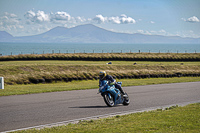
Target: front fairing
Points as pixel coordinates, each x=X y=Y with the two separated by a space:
x=103 y=86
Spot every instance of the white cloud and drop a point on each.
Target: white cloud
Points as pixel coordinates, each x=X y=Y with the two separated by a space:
x=61 y=16
x=122 y=19
x=140 y=31
x=29 y=14
x=191 y=19
x=64 y=18
x=41 y=16
x=126 y=20
x=115 y=20
x=162 y=31
x=123 y=16
x=80 y=19
x=9 y=19
x=99 y=19
x=145 y=32
x=38 y=17
x=153 y=32
x=10 y=22
x=10 y=15
x=152 y=22
x=188 y=33
x=148 y=33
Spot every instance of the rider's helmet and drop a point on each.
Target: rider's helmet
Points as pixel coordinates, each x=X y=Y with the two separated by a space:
x=102 y=75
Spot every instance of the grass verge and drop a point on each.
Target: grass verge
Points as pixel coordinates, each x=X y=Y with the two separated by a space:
x=173 y=119
x=89 y=84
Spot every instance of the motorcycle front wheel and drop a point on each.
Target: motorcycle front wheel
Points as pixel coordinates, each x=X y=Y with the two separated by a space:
x=109 y=100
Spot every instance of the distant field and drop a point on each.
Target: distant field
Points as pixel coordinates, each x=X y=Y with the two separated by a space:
x=48 y=71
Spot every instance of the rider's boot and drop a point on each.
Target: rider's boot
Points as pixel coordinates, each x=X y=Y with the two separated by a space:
x=123 y=93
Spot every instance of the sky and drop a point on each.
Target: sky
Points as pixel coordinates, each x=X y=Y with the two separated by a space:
x=151 y=17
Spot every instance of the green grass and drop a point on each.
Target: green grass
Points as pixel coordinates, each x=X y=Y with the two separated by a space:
x=81 y=85
x=175 y=119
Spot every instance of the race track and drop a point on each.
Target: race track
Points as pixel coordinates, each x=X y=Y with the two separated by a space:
x=23 y=111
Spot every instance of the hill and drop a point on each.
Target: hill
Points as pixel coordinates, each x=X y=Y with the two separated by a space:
x=92 y=34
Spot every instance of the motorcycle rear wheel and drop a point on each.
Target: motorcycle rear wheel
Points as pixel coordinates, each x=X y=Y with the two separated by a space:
x=109 y=100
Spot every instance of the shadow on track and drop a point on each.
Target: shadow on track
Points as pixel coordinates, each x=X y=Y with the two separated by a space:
x=90 y=107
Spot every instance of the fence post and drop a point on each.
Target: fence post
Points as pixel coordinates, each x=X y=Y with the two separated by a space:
x=52 y=51
x=1 y=83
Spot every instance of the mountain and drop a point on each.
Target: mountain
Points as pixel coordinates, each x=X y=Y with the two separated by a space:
x=92 y=34
x=5 y=36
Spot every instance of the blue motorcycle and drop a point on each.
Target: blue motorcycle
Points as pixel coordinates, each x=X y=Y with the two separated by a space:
x=112 y=96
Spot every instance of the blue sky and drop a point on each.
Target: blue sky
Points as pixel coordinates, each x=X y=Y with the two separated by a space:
x=152 y=17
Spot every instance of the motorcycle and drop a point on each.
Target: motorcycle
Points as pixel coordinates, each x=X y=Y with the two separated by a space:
x=112 y=96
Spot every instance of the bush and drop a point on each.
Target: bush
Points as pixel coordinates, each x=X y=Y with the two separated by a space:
x=108 y=56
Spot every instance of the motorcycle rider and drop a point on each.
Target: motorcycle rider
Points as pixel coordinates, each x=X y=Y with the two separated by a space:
x=111 y=80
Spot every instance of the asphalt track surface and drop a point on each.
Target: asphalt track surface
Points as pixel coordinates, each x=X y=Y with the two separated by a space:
x=23 y=111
